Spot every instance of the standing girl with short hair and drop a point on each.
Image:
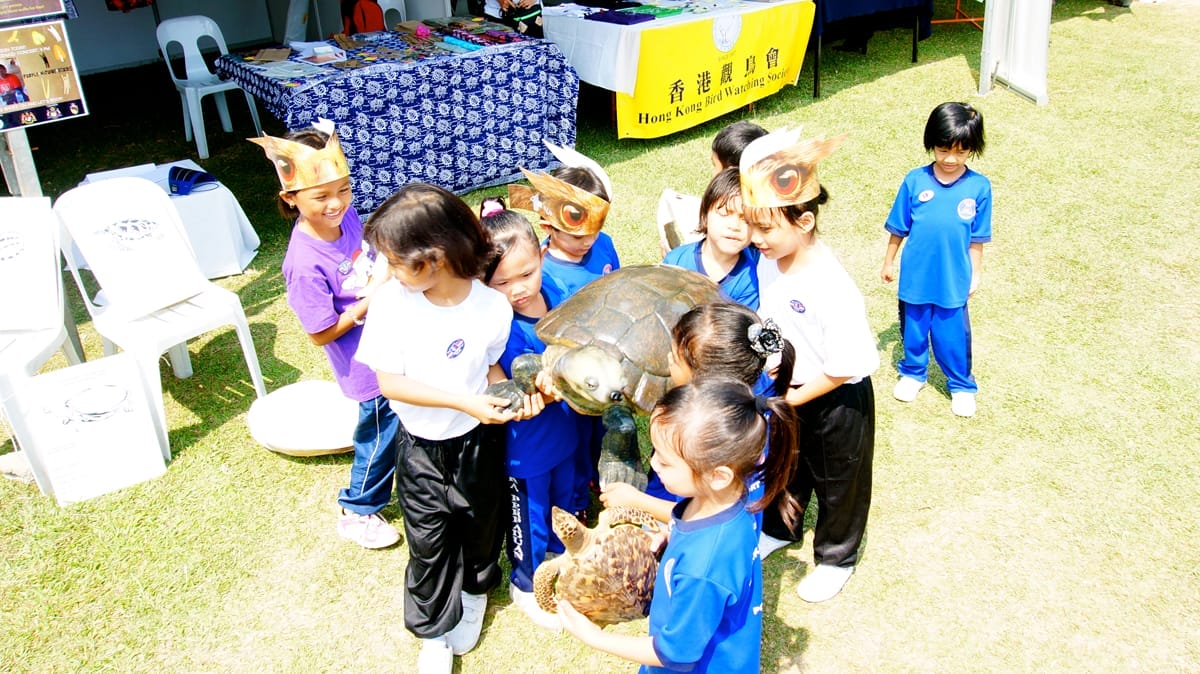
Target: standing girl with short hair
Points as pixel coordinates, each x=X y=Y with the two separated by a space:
x=434 y=340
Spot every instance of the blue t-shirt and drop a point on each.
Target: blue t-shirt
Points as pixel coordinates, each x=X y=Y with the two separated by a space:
x=536 y=445
x=940 y=223
x=739 y=285
x=600 y=259
x=706 y=613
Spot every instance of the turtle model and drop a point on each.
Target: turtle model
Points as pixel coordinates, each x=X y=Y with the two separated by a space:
x=607 y=351
x=607 y=573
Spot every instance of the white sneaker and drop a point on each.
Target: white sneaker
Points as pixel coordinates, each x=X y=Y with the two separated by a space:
x=768 y=544
x=824 y=583
x=907 y=389
x=962 y=403
x=435 y=657
x=529 y=606
x=465 y=634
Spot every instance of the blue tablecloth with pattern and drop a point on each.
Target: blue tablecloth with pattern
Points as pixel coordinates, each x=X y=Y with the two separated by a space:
x=461 y=121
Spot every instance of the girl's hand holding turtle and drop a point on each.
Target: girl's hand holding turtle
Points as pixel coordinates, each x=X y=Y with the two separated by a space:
x=487 y=409
x=531 y=406
x=577 y=624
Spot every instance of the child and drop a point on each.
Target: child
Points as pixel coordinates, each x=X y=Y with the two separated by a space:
x=434 y=340
x=706 y=614
x=716 y=340
x=328 y=273
x=572 y=203
x=944 y=210
x=541 y=451
x=822 y=313
x=728 y=144
x=724 y=254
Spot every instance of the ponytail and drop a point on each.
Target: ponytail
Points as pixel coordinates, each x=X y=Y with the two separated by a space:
x=780 y=458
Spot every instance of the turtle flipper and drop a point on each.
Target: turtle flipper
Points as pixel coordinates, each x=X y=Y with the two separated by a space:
x=543 y=583
x=524 y=371
x=620 y=460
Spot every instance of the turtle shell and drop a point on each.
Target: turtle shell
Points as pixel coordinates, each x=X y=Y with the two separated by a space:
x=630 y=313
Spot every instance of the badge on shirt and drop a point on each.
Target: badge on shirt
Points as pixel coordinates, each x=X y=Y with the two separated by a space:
x=455 y=349
x=798 y=306
x=966 y=208
x=925 y=195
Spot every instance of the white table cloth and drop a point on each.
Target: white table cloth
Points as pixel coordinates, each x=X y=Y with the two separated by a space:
x=221 y=236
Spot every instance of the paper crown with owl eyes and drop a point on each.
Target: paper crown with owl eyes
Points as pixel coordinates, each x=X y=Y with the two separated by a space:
x=566 y=207
x=300 y=166
x=779 y=169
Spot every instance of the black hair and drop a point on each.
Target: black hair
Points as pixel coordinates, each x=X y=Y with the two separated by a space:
x=720 y=422
x=713 y=340
x=313 y=138
x=507 y=229
x=583 y=178
x=422 y=224
x=729 y=142
x=723 y=187
x=953 y=124
x=791 y=213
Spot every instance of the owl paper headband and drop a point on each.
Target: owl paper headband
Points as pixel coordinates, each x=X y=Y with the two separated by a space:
x=566 y=207
x=779 y=169
x=300 y=166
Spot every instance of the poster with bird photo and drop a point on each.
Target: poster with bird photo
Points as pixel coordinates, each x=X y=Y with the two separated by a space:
x=38 y=79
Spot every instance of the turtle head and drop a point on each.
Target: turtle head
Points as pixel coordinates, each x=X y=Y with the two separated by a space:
x=568 y=528
x=589 y=378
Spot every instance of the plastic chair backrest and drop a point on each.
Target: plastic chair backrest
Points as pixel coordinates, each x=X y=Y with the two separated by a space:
x=30 y=276
x=396 y=6
x=131 y=236
x=187 y=31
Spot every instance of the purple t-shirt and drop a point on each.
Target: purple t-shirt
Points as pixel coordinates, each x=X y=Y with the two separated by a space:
x=322 y=279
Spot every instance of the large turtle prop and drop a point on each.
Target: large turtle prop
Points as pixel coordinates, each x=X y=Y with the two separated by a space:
x=607 y=573
x=607 y=351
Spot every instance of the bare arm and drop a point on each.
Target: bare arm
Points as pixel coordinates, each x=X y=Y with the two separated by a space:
x=816 y=388
x=637 y=649
x=888 y=273
x=622 y=494
x=357 y=312
x=408 y=390
x=975 y=251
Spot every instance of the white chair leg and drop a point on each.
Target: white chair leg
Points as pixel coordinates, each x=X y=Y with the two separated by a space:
x=197 y=116
x=223 y=111
x=251 y=355
x=253 y=112
x=181 y=360
x=152 y=385
x=187 y=118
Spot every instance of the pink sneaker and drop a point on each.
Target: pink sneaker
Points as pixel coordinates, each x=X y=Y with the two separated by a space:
x=370 y=531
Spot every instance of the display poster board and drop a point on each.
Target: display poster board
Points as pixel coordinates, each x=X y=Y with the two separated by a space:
x=11 y=10
x=731 y=60
x=1016 y=48
x=39 y=82
x=90 y=429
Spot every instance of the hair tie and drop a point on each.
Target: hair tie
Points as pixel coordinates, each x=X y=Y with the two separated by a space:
x=762 y=404
x=765 y=338
x=491 y=206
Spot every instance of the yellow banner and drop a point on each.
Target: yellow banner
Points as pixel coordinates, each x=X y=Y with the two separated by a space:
x=692 y=72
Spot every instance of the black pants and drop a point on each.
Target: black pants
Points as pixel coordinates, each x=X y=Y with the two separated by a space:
x=451 y=493
x=837 y=446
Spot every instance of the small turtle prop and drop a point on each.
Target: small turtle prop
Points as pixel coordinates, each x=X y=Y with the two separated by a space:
x=607 y=350
x=606 y=573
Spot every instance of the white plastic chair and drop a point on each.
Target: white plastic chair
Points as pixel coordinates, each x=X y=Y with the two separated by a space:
x=156 y=297
x=393 y=7
x=31 y=304
x=678 y=218
x=198 y=81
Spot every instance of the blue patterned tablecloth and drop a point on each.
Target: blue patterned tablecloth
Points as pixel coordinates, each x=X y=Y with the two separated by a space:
x=459 y=121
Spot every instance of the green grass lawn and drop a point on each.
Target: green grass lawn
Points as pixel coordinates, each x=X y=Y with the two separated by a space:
x=1055 y=531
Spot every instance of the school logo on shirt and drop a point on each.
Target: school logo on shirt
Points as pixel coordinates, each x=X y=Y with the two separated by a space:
x=966 y=208
x=925 y=195
x=607 y=269
x=667 y=569
x=798 y=306
x=455 y=349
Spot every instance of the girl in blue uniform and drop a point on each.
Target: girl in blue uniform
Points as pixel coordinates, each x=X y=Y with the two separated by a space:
x=724 y=254
x=706 y=615
x=944 y=211
x=541 y=451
